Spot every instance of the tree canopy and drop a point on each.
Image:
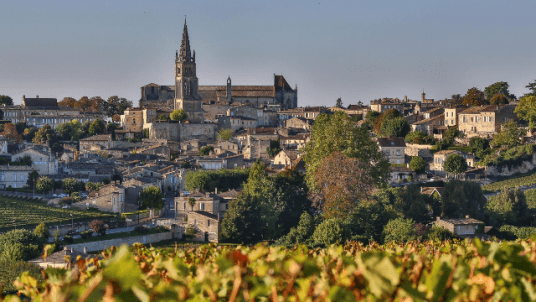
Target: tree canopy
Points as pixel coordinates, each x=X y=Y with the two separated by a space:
x=339 y=133
x=526 y=109
x=178 y=115
x=455 y=164
x=225 y=134
x=44 y=184
x=509 y=136
x=151 y=197
x=6 y=100
x=11 y=134
x=97 y=127
x=474 y=97
x=114 y=106
x=417 y=164
x=498 y=88
x=399 y=230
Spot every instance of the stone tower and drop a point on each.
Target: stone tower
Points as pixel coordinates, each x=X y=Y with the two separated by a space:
x=186 y=82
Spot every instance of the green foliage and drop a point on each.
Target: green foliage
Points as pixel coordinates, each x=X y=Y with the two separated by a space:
x=151 y=197
x=509 y=136
x=206 y=150
x=474 y=97
x=511 y=157
x=417 y=164
x=223 y=179
x=42 y=232
x=399 y=230
x=338 y=103
x=274 y=148
x=509 y=207
x=11 y=270
x=337 y=132
x=45 y=134
x=68 y=239
x=190 y=231
x=511 y=232
x=462 y=198
x=225 y=134
x=455 y=164
x=114 y=106
x=96 y=127
x=480 y=145
x=397 y=127
x=367 y=220
x=69 y=185
x=328 y=232
x=6 y=100
x=242 y=221
x=526 y=109
x=433 y=271
x=419 y=137
x=499 y=99
x=186 y=165
x=439 y=233
x=71 y=131
x=178 y=115
x=19 y=245
x=301 y=234
x=499 y=88
x=44 y=184
x=106 y=180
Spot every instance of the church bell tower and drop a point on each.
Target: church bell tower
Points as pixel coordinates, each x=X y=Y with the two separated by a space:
x=186 y=82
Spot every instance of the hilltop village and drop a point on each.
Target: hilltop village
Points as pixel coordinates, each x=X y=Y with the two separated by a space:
x=243 y=163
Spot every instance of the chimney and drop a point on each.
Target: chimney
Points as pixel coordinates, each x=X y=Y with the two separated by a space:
x=438 y=218
x=216 y=190
x=64 y=248
x=85 y=249
x=467 y=216
x=71 y=250
x=37 y=96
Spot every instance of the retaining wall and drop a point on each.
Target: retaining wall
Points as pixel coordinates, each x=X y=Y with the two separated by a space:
x=94 y=246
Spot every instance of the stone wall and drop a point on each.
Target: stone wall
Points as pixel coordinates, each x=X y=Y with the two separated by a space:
x=418 y=150
x=94 y=246
x=126 y=144
x=203 y=132
x=524 y=167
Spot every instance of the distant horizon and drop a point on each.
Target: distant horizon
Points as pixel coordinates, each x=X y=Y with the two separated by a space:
x=349 y=49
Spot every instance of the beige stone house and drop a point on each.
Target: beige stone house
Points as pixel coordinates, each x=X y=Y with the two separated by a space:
x=461 y=226
x=14 y=176
x=132 y=120
x=485 y=120
x=102 y=140
x=285 y=158
x=430 y=126
x=393 y=148
x=43 y=160
x=441 y=156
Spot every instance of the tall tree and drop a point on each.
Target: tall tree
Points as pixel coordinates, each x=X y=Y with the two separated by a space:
x=462 y=198
x=498 y=99
x=339 y=103
x=44 y=134
x=68 y=102
x=498 y=88
x=96 y=127
x=344 y=182
x=526 y=109
x=509 y=136
x=44 y=184
x=474 y=97
x=11 y=134
x=6 y=100
x=114 y=106
x=178 y=115
x=151 y=197
x=397 y=127
x=417 y=164
x=225 y=134
x=455 y=164
x=532 y=87
x=339 y=133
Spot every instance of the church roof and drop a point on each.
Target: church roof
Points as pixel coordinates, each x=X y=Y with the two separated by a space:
x=39 y=102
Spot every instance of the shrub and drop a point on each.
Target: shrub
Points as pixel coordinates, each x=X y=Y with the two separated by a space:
x=439 y=233
x=98 y=227
x=330 y=231
x=399 y=230
x=141 y=229
x=86 y=234
x=68 y=239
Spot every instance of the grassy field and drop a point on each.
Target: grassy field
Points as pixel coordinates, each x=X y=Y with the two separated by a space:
x=19 y=212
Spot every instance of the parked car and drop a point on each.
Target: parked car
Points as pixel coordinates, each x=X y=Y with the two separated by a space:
x=73 y=232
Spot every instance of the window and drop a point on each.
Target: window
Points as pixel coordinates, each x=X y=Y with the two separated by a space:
x=14 y=177
x=208 y=222
x=202 y=205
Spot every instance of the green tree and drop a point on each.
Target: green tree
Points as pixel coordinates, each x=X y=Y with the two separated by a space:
x=474 y=97
x=509 y=207
x=499 y=99
x=68 y=185
x=498 y=88
x=6 y=100
x=399 y=230
x=302 y=233
x=206 y=150
x=532 y=87
x=480 y=145
x=367 y=220
x=225 y=134
x=178 y=115
x=19 y=245
x=455 y=164
x=417 y=164
x=462 y=198
x=337 y=132
x=274 y=148
x=526 y=110
x=32 y=178
x=509 y=136
x=241 y=223
x=397 y=127
x=96 y=127
x=338 y=103
x=11 y=134
x=44 y=184
x=42 y=232
x=152 y=198
x=114 y=105
x=439 y=233
x=330 y=231
x=419 y=137
x=44 y=134
x=383 y=118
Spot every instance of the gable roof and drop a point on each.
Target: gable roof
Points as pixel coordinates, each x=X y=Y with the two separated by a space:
x=39 y=102
x=391 y=142
x=99 y=137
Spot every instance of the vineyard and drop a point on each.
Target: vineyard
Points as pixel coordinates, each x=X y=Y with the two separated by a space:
x=448 y=271
x=510 y=183
x=19 y=212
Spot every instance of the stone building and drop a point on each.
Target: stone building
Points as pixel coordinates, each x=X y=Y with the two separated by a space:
x=441 y=156
x=461 y=226
x=485 y=120
x=14 y=176
x=237 y=122
x=393 y=148
x=132 y=120
x=103 y=141
x=187 y=94
x=43 y=160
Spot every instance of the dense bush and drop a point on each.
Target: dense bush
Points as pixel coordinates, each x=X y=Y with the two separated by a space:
x=18 y=245
x=68 y=239
x=141 y=229
x=511 y=157
x=399 y=230
x=10 y=270
x=223 y=179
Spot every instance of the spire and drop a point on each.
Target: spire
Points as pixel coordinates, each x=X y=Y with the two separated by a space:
x=185 y=53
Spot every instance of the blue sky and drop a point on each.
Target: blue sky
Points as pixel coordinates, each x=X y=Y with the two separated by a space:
x=356 y=50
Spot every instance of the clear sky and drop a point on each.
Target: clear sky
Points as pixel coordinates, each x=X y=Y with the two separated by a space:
x=356 y=50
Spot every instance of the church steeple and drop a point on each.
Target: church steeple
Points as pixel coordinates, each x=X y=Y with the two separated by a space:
x=185 y=53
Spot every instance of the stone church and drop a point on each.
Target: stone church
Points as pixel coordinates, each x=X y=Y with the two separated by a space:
x=187 y=94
